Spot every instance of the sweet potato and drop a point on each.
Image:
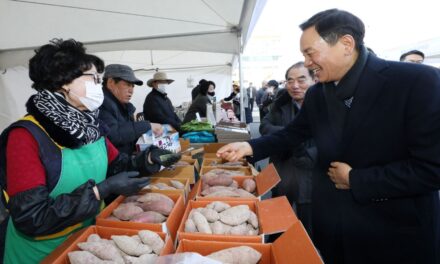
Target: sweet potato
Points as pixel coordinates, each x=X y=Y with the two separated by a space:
x=94 y=238
x=220 y=228
x=212 y=179
x=249 y=185
x=85 y=257
x=149 y=217
x=190 y=226
x=217 y=189
x=102 y=250
x=156 y=202
x=244 y=193
x=126 y=211
x=144 y=259
x=234 y=184
x=253 y=220
x=201 y=223
x=131 y=199
x=236 y=255
x=240 y=230
x=131 y=246
x=210 y=214
x=218 y=206
x=224 y=193
x=235 y=215
x=251 y=231
x=177 y=184
x=152 y=239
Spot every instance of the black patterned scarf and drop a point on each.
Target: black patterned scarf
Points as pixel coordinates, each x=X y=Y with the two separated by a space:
x=64 y=123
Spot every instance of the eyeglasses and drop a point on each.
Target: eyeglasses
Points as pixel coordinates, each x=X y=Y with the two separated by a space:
x=96 y=77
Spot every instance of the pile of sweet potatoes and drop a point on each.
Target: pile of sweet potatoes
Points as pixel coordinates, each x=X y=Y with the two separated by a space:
x=223 y=185
x=146 y=208
x=222 y=219
x=175 y=185
x=142 y=248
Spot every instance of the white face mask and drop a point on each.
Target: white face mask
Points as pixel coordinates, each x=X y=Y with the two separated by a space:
x=94 y=96
x=161 y=87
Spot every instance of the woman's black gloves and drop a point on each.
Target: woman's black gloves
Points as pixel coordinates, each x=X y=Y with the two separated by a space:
x=124 y=183
x=164 y=157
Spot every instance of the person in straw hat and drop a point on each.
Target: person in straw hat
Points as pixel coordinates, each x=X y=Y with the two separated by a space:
x=157 y=106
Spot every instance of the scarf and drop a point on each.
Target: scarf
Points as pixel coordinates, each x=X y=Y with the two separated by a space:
x=64 y=123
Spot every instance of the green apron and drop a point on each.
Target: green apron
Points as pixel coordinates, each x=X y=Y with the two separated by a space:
x=78 y=166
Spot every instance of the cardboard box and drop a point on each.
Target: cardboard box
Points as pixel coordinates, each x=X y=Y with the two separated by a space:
x=167 y=181
x=59 y=255
x=177 y=172
x=265 y=181
x=246 y=170
x=169 y=226
x=210 y=150
x=274 y=215
x=294 y=246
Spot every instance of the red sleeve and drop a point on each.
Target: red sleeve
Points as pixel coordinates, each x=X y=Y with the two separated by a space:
x=24 y=169
x=112 y=151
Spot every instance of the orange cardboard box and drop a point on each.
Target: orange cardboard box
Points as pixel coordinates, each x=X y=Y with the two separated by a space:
x=167 y=181
x=247 y=171
x=183 y=172
x=274 y=215
x=265 y=181
x=294 y=246
x=59 y=255
x=169 y=226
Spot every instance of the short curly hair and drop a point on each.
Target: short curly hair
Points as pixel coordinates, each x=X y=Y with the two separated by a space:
x=59 y=63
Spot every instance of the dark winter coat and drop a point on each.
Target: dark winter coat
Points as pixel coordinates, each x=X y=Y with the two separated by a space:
x=124 y=130
x=159 y=109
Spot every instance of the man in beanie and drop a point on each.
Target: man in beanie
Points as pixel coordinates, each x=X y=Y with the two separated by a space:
x=269 y=96
x=157 y=106
x=117 y=111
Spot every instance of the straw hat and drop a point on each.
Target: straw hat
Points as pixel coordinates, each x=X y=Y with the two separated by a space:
x=159 y=76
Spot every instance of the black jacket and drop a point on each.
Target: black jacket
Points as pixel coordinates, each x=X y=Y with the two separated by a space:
x=159 y=109
x=294 y=166
x=198 y=105
x=124 y=130
x=391 y=139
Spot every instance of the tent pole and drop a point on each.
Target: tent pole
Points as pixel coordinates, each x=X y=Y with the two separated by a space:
x=240 y=76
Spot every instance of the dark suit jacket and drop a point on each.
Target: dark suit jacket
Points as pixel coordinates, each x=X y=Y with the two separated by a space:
x=391 y=139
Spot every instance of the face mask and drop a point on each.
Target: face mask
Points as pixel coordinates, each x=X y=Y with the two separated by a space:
x=211 y=93
x=94 y=96
x=161 y=87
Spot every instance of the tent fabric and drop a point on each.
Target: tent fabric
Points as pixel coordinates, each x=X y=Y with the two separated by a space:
x=190 y=40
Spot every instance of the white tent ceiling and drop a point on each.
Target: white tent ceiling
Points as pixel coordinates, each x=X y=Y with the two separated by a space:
x=219 y=26
x=190 y=39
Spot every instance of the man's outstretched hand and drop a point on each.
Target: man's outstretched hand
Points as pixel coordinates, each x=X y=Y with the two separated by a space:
x=235 y=151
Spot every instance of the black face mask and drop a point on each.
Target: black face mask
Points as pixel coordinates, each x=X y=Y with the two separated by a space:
x=211 y=93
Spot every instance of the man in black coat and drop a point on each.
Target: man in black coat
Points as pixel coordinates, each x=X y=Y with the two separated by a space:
x=376 y=125
x=157 y=106
x=117 y=111
x=295 y=167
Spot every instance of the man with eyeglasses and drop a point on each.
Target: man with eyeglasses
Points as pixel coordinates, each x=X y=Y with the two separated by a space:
x=295 y=170
x=117 y=111
x=413 y=56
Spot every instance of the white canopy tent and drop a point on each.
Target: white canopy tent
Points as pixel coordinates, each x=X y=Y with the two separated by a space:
x=189 y=39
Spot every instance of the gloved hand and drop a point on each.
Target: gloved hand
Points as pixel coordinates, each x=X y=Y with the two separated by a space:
x=124 y=183
x=164 y=157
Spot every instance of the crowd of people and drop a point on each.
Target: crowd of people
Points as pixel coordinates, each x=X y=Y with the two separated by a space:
x=355 y=140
